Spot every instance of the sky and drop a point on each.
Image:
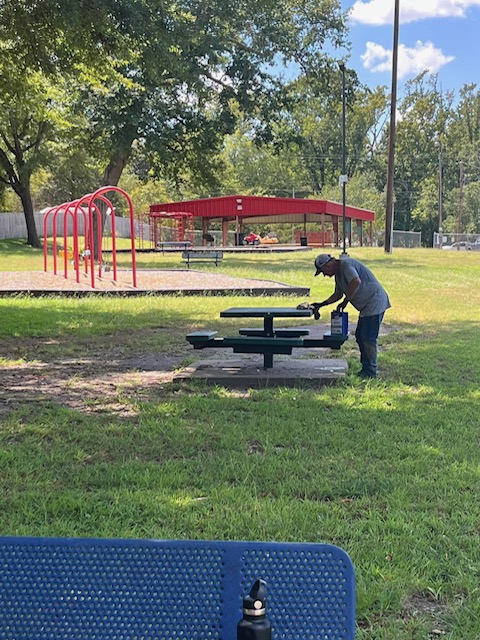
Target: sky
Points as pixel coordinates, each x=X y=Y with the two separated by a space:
x=440 y=35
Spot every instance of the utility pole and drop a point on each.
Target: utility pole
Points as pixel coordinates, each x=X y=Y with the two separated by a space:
x=460 y=204
x=344 y=177
x=391 y=142
x=440 y=196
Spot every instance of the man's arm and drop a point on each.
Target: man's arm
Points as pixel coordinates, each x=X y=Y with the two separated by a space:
x=336 y=295
x=352 y=289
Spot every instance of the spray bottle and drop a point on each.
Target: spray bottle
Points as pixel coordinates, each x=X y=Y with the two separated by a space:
x=255 y=625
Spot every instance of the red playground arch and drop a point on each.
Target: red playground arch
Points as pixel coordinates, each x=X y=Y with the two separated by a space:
x=88 y=207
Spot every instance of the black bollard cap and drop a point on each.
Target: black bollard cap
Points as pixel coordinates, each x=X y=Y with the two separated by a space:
x=254 y=604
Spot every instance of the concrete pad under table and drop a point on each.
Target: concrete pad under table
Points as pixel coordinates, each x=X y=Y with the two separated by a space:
x=248 y=373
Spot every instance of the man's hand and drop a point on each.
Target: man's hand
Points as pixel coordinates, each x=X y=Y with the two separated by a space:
x=316 y=306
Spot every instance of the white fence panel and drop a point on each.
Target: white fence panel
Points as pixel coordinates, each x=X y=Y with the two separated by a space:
x=13 y=225
x=406 y=239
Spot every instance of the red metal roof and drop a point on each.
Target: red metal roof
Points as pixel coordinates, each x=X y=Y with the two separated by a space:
x=256 y=207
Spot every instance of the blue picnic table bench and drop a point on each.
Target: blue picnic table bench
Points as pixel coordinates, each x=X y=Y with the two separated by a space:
x=268 y=340
x=108 y=589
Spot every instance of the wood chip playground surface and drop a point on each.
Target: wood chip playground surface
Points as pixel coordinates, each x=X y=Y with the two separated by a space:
x=149 y=281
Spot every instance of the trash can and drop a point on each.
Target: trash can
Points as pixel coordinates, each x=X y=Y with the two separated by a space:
x=239 y=239
x=303 y=241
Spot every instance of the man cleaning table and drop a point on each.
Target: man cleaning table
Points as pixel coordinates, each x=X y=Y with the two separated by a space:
x=361 y=288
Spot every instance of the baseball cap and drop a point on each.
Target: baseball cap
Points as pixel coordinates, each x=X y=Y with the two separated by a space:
x=321 y=261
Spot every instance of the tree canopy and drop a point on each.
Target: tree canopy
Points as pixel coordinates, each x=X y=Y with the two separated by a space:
x=190 y=96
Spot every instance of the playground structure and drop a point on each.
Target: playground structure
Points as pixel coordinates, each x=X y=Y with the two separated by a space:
x=89 y=207
x=180 y=226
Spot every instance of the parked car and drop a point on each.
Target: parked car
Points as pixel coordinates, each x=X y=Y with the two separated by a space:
x=464 y=246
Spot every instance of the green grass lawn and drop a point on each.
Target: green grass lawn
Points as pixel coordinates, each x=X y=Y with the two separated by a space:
x=388 y=469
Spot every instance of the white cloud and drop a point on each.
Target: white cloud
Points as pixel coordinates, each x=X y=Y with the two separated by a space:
x=424 y=55
x=378 y=12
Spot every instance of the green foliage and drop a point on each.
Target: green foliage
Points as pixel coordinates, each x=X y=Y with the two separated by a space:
x=32 y=113
x=188 y=96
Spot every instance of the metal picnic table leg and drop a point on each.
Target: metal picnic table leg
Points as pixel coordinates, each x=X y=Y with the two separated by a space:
x=267 y=360
x=268 y=327
x=268 y=332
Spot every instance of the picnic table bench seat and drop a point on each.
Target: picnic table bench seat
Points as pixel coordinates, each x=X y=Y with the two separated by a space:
x=200 y=337
x=252 y=344
x=199 y=256
x=284 y=333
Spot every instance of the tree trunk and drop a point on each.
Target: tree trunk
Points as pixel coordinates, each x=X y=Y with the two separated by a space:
x=117 y=164
x=27 y=204
x=111 y=177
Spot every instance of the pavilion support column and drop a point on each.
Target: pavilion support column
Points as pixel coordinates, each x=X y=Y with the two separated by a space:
x=322 y=222
x=348 y=231
x=360 y=232
x=335 y=231
x=205 y=227
x=224 y=232
x=371 y=233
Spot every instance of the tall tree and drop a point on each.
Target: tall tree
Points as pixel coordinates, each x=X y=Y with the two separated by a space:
x=170 y=77
x=198 y=66
x=26 y=123
x=425 y=114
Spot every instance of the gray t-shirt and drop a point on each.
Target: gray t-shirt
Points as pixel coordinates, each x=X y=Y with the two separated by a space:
x=371 y=298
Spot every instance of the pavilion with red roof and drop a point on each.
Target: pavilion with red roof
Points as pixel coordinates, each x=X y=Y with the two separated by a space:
x=239 y=210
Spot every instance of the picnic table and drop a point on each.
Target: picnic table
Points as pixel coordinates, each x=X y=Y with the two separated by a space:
x=181 y=245
x=268 y=340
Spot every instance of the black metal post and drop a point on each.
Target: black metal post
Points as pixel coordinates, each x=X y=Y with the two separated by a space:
x=391 y=137
x=344 y=160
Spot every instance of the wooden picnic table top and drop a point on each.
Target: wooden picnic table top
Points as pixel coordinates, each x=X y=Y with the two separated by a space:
x=266 y=312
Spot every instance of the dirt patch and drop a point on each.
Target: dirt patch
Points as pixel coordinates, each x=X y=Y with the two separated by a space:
x=103 y=382
x=110 y=380
x=148 y=281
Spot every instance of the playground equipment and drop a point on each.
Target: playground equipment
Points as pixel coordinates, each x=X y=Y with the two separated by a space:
x=255 y=239
x=92 y=253
x=180 y=225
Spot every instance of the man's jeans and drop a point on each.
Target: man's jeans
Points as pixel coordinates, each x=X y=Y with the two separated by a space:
x=366 y=336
